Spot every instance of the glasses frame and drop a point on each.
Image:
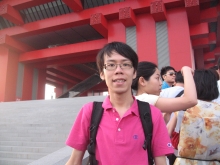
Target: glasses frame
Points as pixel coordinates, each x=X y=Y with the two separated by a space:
x=116 y=65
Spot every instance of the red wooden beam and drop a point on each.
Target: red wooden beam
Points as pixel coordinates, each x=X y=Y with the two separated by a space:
x=127 y=16
x=11 y=43
x=66 y=61
x=99 y=23
x=204 y=42
x=158 y=11
x=51 y=82
x=23 y=4
x=199 y=31
x=193 y=11
x=209 y=15
x=200 y=43
x=11 y=14
x=56 y=79
x=73 y=19
x=73 y=72
x=72 y=50
x=75 y=5
x=56 y=73
x=210 y=56
x=218 y=31
x=54 y=82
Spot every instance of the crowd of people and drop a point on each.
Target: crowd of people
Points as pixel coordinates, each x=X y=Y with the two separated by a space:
x=184 y=103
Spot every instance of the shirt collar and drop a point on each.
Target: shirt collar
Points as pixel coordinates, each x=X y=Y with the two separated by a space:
x=133 y=109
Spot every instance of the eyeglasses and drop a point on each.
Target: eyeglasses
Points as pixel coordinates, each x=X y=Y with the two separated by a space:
x=172 y=73
x=114 y=66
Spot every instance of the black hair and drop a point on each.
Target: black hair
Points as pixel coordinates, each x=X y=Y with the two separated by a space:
x=206 y=85
x=216 y=73
x=119 y=47
x=179 y=77
x=145 y=69
x=165 y=69
x=214 y=67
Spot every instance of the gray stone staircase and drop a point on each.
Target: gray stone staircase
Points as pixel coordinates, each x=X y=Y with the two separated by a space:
x=31 y=130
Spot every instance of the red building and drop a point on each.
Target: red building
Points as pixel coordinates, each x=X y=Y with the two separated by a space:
x=56 y=41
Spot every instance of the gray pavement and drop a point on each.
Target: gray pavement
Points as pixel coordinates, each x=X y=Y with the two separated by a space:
x=34 y=132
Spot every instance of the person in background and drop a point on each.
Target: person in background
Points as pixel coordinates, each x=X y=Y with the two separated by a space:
x=199 y=142
x=168 y=74
x=147 y=86
x=173 y=92
x=120 y=134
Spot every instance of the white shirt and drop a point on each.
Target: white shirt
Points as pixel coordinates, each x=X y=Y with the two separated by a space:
x=218 y=99
x=171 y=92
x=151 y=99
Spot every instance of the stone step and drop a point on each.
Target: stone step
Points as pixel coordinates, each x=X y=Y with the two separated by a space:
x=45 y=131
x=12 y=161
x=35 y=139
x=21 y=155
x=32 y=144
x=26 y=134
x=29 y=149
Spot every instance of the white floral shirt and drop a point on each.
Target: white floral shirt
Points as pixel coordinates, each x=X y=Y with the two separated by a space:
x=200 y=135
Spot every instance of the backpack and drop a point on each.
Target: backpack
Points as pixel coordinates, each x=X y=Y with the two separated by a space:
x=146 y=120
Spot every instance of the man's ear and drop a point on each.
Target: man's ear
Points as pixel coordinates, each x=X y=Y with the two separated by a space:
x=164 y=77
x=102 y=76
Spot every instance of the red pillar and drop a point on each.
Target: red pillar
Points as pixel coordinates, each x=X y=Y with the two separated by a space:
x=41 y=83
x=116 y=31
x=180 y=49
x=58 y=90
x=8 y=80
x=146 y=38
x=27 y=83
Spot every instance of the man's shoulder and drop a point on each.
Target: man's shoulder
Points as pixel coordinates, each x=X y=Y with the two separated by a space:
x=171 y=92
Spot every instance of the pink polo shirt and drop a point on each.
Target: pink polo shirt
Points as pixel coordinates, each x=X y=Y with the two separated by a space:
x=120 y=140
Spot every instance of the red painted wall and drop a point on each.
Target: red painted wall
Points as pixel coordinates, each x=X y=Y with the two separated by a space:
x=27 y=83
x=8 y=67
x=146 y=38
x=179 y=38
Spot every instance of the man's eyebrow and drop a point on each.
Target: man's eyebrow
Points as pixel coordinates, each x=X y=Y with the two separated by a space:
x=124 y=60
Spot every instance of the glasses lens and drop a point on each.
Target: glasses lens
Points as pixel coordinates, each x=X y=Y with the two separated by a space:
x=171 y=74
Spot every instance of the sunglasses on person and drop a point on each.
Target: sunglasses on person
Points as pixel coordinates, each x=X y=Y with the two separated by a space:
x=172 y=73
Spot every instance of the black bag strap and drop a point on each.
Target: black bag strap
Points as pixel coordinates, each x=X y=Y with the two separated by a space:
x=97 y=112
x=146 y=120
x=180 y=94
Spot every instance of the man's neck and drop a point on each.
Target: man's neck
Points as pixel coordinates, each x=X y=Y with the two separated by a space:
x=169 y=83
x=179 y=84
x=121 y=102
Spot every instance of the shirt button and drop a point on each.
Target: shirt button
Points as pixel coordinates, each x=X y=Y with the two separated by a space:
x=119 y=129
x=114 y=111
x=117 y=119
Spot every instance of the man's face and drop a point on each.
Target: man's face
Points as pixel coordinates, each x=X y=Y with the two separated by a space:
x=169 y=76
x=118 y=79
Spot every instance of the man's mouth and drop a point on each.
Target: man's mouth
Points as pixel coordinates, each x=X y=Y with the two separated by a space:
x=119 y=80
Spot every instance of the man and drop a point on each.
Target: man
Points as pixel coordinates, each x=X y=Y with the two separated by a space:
x=168 y=74
x=172 y=93
x=218 y=99
x=120 y=135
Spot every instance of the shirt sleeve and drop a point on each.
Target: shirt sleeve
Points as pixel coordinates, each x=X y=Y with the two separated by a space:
x=151 y=99
x=79 y=135
x=161 y=144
